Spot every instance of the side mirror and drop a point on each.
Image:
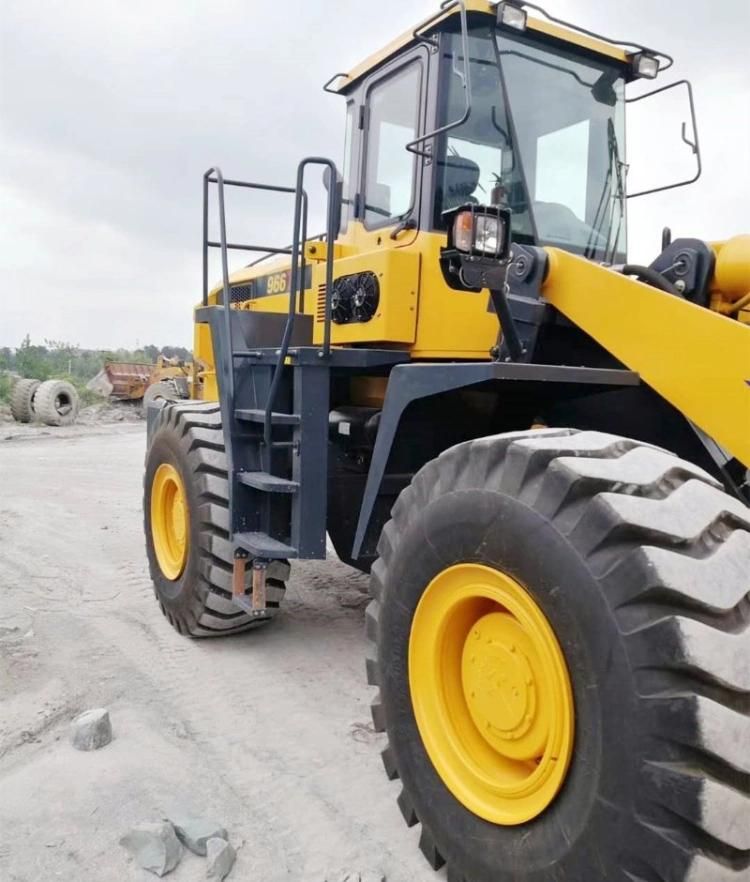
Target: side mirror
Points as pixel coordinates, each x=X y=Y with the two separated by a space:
x=654 y=126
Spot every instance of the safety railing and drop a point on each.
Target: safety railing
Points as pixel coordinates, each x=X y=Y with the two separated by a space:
x=333 y=218
x=298 y=267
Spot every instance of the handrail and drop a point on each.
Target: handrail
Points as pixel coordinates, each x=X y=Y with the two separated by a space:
x=215 y=176
x=625 y=44
x=329 y=82
x=465 y=79
x=297 y=284
x=694 y=145
x=219 y=181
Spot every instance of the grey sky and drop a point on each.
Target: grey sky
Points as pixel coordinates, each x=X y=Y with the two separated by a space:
x=110 y=112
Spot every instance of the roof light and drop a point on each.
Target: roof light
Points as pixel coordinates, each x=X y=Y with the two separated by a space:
x=511 y=15
x=645 y=66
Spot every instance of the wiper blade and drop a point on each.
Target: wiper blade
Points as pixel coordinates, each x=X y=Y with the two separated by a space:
x=606 y=213
x=619 y=196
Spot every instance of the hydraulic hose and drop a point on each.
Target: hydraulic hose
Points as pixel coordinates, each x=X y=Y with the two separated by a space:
x=650 y=277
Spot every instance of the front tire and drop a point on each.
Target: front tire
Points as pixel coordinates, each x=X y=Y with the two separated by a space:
x=639 y=562
x=186 y=522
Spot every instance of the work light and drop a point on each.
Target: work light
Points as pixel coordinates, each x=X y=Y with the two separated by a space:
x=481 y=230
x=511 y=15
x=645 y=66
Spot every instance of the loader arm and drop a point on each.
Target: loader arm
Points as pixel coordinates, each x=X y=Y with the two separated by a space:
x=696 y=359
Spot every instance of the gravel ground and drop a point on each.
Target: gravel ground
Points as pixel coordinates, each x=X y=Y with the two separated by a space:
x=269 y=732
x=90 y=419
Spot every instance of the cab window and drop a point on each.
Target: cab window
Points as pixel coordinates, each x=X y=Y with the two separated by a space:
x=347 y=200
x=393 y=107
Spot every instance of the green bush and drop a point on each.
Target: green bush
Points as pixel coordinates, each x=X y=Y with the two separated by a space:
x=5 y=385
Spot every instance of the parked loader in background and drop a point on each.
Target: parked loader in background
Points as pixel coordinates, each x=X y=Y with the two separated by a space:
x=555 y=519
x=168 y=379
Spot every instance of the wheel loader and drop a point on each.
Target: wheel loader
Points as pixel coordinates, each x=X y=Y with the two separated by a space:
x=537 y=449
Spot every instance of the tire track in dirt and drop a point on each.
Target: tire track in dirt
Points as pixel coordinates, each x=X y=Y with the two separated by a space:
x=273 y=725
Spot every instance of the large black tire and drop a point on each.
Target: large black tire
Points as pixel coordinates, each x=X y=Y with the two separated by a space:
x=22 y=400
x=641 y=564
x=56 y=403
x=161 y=391
x=189 y=437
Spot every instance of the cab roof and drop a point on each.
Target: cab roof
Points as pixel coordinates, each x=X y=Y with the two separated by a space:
x=344 y=82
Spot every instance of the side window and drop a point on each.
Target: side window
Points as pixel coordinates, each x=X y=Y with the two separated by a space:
x=393 y=107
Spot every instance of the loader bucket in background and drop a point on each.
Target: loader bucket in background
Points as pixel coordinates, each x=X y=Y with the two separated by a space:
x=125 y=381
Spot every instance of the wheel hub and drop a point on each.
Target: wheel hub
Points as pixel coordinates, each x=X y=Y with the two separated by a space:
x=500 y=686
x=169 y=521
x=491 y=693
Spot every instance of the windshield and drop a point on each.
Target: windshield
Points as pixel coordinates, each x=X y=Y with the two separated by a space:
x=556 y=160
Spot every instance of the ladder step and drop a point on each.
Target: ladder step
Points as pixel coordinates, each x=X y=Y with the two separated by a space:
x=245 y=603
x=259 y=416
x=263 y=545
x=268 y=482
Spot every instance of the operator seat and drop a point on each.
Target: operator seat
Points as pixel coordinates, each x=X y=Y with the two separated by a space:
x=460 y=180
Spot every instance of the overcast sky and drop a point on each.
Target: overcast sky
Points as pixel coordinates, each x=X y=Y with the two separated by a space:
x=110 y=111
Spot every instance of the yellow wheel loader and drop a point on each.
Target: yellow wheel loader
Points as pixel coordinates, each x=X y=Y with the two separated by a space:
x=538 y=450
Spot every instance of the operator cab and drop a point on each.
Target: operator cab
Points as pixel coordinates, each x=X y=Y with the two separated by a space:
x=532 y=120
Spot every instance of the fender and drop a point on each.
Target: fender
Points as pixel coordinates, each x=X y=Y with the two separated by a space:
x=410 y=382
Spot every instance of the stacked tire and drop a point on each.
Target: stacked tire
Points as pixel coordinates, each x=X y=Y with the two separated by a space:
x=53 y=402
x=22 y=400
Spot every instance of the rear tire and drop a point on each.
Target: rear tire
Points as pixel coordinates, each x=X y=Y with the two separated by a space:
x=161 y=391
x=188 y=438
x=22 y=400
x=56 y=403
x=640 y=563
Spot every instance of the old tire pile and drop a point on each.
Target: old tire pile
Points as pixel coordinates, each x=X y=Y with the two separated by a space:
x=638 y=563
x=186 y=512
x=22 y=400
x=56 y=403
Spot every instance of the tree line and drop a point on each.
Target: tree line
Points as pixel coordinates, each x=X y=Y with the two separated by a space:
x=55 y=358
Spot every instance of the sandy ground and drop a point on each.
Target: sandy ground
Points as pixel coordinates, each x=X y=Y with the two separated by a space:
x=268 y=732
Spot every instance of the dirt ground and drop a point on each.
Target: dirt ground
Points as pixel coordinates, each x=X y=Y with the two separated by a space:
x=268 y=732
x=91 y=418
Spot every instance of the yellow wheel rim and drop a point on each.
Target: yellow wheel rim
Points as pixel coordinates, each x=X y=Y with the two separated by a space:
x=491 y=693
x=169 y=521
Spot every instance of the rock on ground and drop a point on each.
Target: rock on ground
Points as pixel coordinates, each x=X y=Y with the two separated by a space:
x=195 y=832
x=154 y=846
x=220 y=858
x=91 y=730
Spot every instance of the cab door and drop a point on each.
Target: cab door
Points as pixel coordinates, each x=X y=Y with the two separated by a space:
x=387 y=205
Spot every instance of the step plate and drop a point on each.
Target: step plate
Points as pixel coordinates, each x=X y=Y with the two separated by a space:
x=267 y=482
x=245 y=603
x=259 y=416
x=263 y=545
